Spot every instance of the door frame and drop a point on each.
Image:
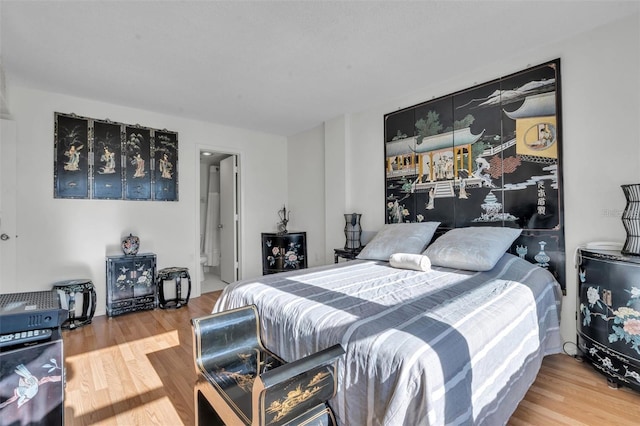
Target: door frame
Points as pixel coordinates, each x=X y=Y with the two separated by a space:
x=8 y=210
x=239 y=201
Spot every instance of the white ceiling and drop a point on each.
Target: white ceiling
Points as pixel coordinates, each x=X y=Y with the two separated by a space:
x=280 y=67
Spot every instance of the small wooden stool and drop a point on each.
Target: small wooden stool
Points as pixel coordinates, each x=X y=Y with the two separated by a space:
x=68 y=291
x=173 y=274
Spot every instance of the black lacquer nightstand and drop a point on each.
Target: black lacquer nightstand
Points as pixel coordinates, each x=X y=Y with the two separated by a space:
x=348 y=254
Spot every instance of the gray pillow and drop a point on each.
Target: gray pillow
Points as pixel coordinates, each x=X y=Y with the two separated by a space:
x=399 y=238
x=473 y=248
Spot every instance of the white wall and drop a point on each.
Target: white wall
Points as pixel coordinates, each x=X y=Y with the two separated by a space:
x=306 y=190
x=600 y=75
x=336 y=169
x=61 y=239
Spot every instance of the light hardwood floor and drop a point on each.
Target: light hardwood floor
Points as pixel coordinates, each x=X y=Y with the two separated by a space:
x=137 y=369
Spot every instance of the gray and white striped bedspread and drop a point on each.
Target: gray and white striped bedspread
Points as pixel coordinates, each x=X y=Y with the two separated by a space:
x=422 y=348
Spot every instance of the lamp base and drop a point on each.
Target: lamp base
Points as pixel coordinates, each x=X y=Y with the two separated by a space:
x=631 y=219
x=631 y=246
x=352 y=231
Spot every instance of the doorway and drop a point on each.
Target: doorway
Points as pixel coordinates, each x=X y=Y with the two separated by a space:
x=219 y=220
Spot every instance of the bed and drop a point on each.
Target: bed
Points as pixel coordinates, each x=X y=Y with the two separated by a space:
x=424 y=345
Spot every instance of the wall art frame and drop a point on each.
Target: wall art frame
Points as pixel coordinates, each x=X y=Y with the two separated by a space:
x=71 y=166
x=137 y=177
x=166 y=161
x=106 y=160
x=489 y=155
x=107 y=164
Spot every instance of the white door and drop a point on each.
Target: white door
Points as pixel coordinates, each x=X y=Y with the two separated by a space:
x=8 y=231
x=229 y=219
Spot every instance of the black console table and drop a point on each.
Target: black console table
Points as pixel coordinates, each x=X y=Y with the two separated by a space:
x=131 y=283
x=609 y=314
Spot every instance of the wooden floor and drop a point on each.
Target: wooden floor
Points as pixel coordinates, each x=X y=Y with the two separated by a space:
x=137 y=369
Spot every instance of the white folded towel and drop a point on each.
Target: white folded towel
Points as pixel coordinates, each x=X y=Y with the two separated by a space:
x=417 y=262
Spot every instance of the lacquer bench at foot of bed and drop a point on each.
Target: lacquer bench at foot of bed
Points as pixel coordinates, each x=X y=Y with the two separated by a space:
x=240 y=382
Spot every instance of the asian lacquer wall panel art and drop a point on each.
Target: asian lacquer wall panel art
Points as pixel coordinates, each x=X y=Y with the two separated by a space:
x=489 y=155
x=165 y=161
x=138 y=163
x=71 y=156
x=102 y=159
x=107 y=155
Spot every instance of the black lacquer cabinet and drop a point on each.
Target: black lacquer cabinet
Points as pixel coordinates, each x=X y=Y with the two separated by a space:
x=131 y=283
x=608 y=314
x=283 y=252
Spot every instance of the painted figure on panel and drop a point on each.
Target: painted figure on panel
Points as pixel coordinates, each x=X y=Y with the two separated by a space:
x=430 y=205
x=463 y=192
x=74 y=158
x=134 y=147
x=138 y=161
x=108 y=158
x=166 y=167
